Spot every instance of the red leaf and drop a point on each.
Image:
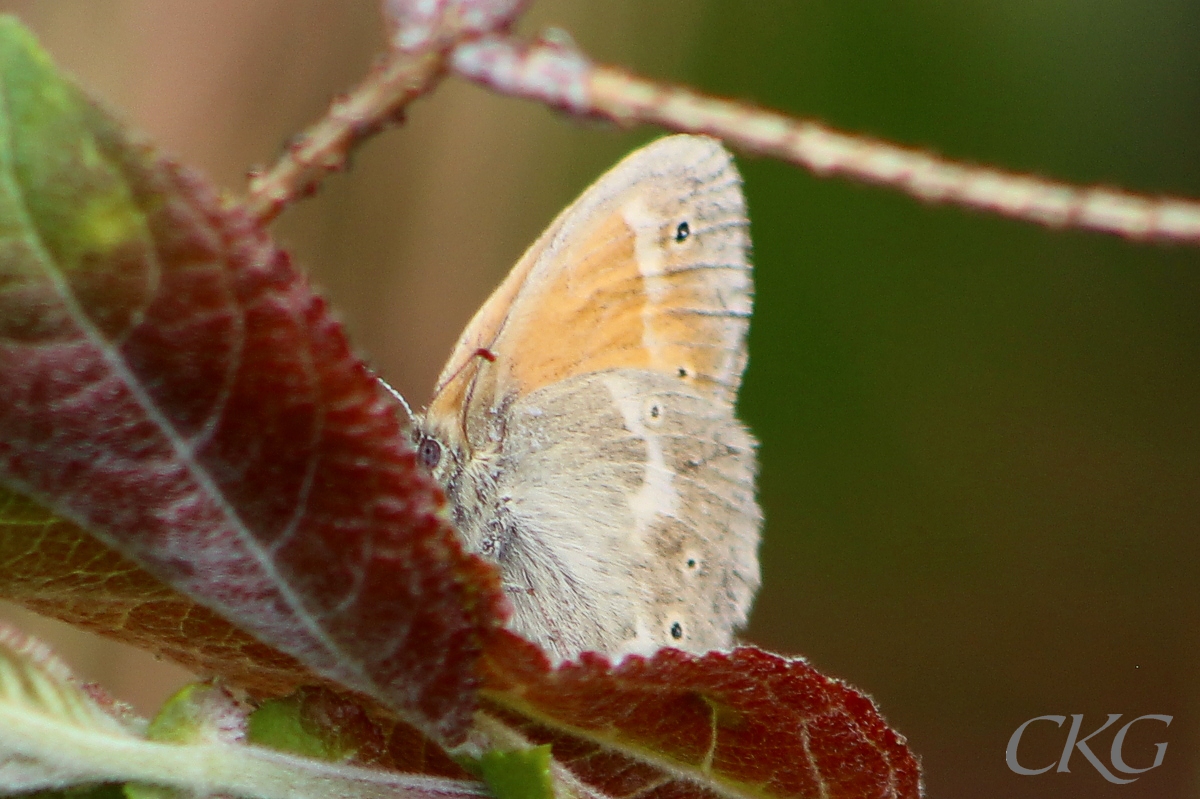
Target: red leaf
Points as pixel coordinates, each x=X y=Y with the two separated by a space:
x=53 y=567
x=741 y=723
x=169 y=382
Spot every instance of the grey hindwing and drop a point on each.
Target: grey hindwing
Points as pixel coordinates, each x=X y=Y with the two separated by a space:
x=626 y=515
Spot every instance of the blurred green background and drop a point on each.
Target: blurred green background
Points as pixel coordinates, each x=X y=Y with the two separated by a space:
x=980 y=446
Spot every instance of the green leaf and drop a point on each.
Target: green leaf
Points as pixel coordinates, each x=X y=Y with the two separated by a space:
x=197 y=713
x=283 y=724
x=519 y=774
x=138 y=790
x=44 y=129
x=55 y=735
x=43 y=712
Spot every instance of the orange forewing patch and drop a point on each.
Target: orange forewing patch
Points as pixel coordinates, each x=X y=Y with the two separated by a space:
x=596 y=307
x=550 y=321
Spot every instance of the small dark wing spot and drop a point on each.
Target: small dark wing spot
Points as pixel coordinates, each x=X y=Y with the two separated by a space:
x=676 y=631
x=691 y=563
x=682 y=231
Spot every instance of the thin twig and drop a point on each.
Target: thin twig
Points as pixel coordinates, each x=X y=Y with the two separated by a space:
x=380 y=99
x=421 y=33
x=562 y=77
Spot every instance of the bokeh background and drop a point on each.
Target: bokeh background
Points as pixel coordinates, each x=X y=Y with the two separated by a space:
x=980 y=439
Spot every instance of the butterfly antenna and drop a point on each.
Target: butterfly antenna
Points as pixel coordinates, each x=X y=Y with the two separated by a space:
x=412 y=419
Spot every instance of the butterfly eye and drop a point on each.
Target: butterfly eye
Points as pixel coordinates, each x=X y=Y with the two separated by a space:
x=430 y=453
x=682 y=231
x=676 y=631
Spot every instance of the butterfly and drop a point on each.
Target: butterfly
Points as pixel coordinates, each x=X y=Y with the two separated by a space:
x=583 y=429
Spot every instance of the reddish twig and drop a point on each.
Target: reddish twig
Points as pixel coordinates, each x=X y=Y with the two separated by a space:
x=421 y=33
x=562 y=77
x=468 y=37
x=393 y=83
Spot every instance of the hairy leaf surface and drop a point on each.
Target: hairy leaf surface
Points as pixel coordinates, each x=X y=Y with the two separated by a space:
x=42 y=709
x=170 y=384
x=745 y=723
x=51 y=566
x=54 y=735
